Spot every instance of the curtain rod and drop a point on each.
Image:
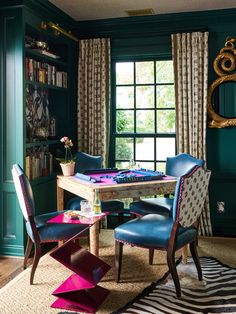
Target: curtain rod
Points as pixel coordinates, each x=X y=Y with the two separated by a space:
x=58 y=30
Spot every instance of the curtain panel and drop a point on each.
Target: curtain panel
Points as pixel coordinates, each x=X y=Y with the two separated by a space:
x=190 y=56
x=94 y=96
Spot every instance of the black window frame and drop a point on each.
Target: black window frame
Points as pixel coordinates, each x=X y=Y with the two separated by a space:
x=155 y=135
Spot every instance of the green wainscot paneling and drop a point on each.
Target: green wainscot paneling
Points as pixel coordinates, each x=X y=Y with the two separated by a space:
x=11 y=115
x=222 y=188
x=12 y=226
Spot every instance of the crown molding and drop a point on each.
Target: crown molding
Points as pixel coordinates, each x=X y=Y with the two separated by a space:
x=132 y=26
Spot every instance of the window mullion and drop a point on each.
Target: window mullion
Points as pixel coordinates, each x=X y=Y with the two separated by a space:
x=128 y=129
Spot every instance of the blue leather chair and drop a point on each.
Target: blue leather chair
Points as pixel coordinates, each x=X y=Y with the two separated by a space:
x=175 y=166
x=85 y=162
x=38 y=230
x=169 y=233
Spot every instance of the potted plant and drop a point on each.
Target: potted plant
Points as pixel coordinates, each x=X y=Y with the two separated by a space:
x=67 y=164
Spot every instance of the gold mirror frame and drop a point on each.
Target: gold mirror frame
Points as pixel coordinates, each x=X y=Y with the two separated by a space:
x=224 y=63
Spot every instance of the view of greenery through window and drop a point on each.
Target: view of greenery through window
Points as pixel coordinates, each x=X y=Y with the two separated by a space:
x=144 y=114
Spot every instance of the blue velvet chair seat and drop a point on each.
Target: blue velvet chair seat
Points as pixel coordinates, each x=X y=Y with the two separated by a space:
x=160 y=205
x=169 y=232
x=41 y=220
x=38 y=229
x=137 y=232
x=54 y=232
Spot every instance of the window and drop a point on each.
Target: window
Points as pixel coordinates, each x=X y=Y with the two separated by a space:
x=143 y=127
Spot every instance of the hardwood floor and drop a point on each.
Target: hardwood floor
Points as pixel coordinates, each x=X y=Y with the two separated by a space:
x=10 y=267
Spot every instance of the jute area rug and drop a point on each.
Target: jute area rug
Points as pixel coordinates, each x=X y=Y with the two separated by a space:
x=18 y=296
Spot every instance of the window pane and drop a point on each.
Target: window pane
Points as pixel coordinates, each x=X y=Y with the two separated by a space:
x=165 y=96
x=124 y=73
x=124 y=148
x=125 y=97
x=164 y=72
x=122 y=164
x=145 y=148
x=145 y=121
x=144 y=96
x=144 y=72
x=146 y=165
x=161 y=166
x=166 y=121
x=124 y=121
x=165 y=147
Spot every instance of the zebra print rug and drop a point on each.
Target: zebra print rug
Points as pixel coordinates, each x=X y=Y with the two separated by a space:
x=216 y=293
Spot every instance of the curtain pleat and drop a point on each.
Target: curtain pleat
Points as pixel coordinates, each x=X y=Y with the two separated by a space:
x=190 y=55
x=94 y=96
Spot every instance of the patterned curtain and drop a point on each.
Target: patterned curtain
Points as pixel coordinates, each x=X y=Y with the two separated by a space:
x=94 y=96
x=190 y=55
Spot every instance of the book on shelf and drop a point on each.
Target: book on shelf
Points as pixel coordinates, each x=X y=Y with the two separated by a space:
x=38 y=164
x=43 y=72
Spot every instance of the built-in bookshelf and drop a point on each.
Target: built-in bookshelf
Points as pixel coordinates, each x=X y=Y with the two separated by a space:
x=46 y=96
x=38 y=107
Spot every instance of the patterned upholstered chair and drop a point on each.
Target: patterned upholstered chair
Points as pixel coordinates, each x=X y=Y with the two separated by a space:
x=168 y=233
x=175 y=166
x=85 y=162
x=38 y=230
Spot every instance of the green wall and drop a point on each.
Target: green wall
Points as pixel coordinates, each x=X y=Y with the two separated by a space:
x=149 y=36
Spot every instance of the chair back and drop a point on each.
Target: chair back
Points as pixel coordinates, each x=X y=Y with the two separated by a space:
x=24 y=192
x=179 y=165
x=87 y=162
x=190 y=195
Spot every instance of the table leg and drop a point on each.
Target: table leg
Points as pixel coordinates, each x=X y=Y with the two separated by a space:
x=94 y=239
x=60 y=204
x=60 y=198
x=185 y=254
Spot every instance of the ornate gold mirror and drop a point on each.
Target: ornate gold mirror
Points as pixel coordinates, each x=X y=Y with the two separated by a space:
x=221 y=101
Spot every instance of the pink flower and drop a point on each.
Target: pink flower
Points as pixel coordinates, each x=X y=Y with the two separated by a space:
x=67 y=144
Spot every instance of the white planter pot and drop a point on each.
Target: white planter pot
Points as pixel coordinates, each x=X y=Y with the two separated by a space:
x=68 y=169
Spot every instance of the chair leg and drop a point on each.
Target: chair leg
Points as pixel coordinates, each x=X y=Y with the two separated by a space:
x=37 y=255
x=118 y=259
x=151 y=255
x=173 y=271
x=27 y=251
x=193 y=250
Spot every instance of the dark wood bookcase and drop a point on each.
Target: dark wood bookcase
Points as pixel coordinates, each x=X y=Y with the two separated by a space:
x=38 y=107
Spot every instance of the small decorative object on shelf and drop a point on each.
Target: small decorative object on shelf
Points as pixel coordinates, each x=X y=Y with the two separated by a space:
x=41 y=45
x=52 y=127
x=67 y=164
x=97 y=204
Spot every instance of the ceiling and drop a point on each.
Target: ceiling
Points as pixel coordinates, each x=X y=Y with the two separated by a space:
x=82 y=10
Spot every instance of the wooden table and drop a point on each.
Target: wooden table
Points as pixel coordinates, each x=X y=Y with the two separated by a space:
x=86 y=190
